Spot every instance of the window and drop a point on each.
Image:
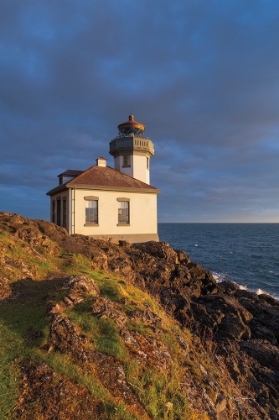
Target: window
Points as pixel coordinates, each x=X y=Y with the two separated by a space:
x=126 y=160
x=123 y=211
x=91 y=211
x=147 y=163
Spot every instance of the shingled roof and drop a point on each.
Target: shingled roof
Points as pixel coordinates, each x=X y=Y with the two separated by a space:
x=106 y=178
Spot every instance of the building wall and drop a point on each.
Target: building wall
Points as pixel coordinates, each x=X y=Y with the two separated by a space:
x=137 y=169
x=143 y=215
x=140 y=169
x=58 y=216
x=66 y=178
x=118 y=165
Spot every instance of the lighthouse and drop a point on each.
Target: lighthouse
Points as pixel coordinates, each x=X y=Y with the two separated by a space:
x=111 y=204
x=132 y=150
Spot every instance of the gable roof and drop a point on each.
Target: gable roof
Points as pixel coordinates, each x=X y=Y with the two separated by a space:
x=106 y=178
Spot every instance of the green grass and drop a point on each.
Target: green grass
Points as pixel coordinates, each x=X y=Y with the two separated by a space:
x=63 y=365
x=118 y=411
x=34 y=258
x=111 y=290
x=139 y=327
x=26 y=314
x=108 y=341
x=18 y=320
x=103 y=333
x=157 y=390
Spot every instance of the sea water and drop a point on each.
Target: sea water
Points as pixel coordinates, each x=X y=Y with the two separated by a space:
x=247 y=254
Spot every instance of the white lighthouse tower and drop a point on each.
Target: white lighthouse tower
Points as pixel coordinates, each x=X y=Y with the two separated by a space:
x=132 y=150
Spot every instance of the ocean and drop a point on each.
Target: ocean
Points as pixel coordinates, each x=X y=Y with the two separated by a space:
x=246 y=253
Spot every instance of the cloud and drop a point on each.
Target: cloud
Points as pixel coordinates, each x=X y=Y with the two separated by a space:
x=202 y=76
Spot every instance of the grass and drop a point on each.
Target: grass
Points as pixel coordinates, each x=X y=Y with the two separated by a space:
x=108 y=340
x=118 y=411
x=27 y=313
x=63 y=365
x=111 y=289
x=159 y=391
x=103 y=333
x=17 y=319
x=139 y=327
x=35 y=261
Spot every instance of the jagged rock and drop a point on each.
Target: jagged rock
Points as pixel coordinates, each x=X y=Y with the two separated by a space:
x=26 y=270
x=5 y=288
x=221 y=403
x=149 y=349
x=145 y=316
x=72 y=299
x=263 y=351
x=182 y=275
x=160 y=250
x=234 y=328
x=181 y=342
x=176 y=304
x=83 y=284
x=183 y=258
x=124 y=243
x=65 y=336
x=265 y=316
x=260 y=331
x=103 y=308
x=228 y=287
x=99 y=259
x=55 y=396
x=129 y=339
x=112 y=375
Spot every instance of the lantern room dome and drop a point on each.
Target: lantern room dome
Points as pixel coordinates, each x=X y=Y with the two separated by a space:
x=131 y=126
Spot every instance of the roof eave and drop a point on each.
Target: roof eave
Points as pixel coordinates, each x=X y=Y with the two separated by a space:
x=57 y=189
x=152 y=190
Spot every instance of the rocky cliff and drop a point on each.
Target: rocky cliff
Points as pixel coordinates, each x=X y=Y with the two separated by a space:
x=94 y=330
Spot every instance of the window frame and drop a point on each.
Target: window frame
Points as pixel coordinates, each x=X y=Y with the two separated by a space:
x=126 y=161
x=91 y=218
x=123 y=204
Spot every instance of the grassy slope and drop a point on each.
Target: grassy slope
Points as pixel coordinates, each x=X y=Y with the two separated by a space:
x=24 y=330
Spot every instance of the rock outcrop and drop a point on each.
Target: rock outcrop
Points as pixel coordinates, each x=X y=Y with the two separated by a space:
x=228 y=360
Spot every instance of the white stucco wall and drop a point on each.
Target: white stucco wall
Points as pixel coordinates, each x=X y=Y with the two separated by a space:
x=143 y=213
x=138 y=168
x=118 y=165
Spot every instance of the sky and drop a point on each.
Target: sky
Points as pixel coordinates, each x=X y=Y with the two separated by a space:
x=201 y=75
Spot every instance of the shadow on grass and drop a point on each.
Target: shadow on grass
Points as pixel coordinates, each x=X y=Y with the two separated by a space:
x=26 y=308
x=23 y=328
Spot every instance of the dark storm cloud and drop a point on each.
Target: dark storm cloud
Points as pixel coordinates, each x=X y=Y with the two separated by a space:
x=202 y=76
